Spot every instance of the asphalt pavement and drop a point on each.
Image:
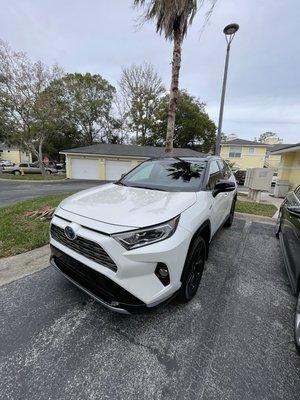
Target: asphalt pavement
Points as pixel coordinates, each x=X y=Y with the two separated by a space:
x=233 y=341
x=13 y=191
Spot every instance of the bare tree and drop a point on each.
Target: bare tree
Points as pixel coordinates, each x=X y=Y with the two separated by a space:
x=140 y=91
x=23 y=102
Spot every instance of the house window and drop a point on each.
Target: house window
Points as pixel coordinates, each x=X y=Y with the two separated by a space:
x=235 y=152
x=251 y=150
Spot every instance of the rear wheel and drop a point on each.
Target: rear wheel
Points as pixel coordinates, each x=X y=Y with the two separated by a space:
x=230 y=218
x=17 y=172
x=47 y=172
x=193 y=269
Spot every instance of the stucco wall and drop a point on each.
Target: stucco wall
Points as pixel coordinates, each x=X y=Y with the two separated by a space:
x=246 y=160
x=16 y=156
x=289 y=168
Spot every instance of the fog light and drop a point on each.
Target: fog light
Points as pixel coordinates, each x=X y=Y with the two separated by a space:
x=162 y=273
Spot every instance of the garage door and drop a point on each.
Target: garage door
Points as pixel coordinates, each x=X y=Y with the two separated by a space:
x=114 y=169
x=85 y=169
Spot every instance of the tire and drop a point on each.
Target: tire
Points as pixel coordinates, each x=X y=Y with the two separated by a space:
x=230 y=218
x=193 y=269
x=297 y=325
x=17 y=172
x=48 y=172
x=278 y=224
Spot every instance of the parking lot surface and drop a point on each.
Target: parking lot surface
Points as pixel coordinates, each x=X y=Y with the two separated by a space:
x=233 y=341
x=12 y=191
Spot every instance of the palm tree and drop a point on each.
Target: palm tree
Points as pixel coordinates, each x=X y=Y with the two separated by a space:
x=172 y=19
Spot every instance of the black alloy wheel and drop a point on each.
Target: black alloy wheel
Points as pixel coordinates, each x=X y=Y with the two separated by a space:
x=193 y=269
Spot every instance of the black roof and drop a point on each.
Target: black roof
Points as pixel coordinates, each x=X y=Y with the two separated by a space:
x=281 y=146
x=243 y=142
x=131 y=150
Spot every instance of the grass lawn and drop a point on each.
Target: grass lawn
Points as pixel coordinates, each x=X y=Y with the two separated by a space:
x=19 y=233
x=248 y=207
x=34 y=177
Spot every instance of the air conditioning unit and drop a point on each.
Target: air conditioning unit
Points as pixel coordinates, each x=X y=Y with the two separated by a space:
x=259 y=179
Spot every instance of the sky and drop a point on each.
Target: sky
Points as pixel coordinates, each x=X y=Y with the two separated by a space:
x=102 y=36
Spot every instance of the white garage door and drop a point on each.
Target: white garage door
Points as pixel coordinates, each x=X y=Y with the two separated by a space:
x=114 y=169
x=85 y=168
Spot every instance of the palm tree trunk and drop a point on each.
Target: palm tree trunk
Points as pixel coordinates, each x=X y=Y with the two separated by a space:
x=174 y=91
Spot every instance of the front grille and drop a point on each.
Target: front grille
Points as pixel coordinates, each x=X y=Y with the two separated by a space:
x=96 y=283
x=85 y=247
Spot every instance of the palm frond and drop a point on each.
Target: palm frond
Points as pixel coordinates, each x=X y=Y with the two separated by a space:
x=171 y=15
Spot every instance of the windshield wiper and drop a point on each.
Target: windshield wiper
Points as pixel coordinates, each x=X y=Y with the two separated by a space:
x=148 y=187
x=120 y=183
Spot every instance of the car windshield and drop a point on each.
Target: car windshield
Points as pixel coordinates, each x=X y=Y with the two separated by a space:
x=172 y=175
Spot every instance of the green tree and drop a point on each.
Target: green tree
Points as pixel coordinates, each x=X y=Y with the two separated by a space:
x=22 y=111
x=267 y=136
x=85 y=101
x=193 y=127
x=172 y=19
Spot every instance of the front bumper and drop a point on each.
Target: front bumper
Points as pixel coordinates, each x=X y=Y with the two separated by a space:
x=135 y=274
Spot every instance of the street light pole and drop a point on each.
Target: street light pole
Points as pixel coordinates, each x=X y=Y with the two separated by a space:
x=229 y=31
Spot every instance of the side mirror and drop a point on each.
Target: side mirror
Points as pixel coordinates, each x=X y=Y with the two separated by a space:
x=294 y=210
x=122 y=176
x=223 y=186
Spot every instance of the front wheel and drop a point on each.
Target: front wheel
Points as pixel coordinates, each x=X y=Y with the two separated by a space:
x=193 y=269
x=17 y=172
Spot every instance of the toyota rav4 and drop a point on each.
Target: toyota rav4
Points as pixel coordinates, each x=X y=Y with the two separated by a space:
x=138 y=242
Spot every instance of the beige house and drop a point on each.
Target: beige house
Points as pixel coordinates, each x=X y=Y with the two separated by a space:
x=289 y=167
x=243 y=154
x=109 y=161
x=14 y=154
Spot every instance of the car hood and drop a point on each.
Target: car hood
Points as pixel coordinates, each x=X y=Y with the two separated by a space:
x=128 y=206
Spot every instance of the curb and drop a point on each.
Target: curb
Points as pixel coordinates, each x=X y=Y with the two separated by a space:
x=21 y=265
x=35 y=181
x=254 y=217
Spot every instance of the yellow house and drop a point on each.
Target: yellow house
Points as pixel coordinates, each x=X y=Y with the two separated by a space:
x=289 y=167
x=14 y=154
x=243 y=154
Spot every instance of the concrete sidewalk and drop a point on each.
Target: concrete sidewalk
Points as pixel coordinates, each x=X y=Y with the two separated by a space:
x=16 y=267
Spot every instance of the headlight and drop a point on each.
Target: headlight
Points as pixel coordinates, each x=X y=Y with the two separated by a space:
x=143 y=237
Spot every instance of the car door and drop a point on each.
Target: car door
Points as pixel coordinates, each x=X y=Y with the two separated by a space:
x=290 y=229
x=218 y=204
x=34 y=169
x=227 y=175
x=24 y=167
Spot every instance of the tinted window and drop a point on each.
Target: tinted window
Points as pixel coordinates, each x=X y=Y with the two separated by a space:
x=23 y=165
x=167 y=174
x=297 y=193
x=226 y=171
x=33 y=166
x=214 y=175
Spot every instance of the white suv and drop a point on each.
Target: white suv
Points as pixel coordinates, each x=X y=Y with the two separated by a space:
x=138 y=242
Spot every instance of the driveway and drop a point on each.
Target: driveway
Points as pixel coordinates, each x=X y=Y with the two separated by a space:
x=12 y=191
x=233 y=341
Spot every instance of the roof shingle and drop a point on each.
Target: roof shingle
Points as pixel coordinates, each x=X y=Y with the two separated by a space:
x=130 y=150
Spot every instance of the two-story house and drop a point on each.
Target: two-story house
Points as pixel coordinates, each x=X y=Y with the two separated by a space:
x=243 y=154
x=14 y=154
